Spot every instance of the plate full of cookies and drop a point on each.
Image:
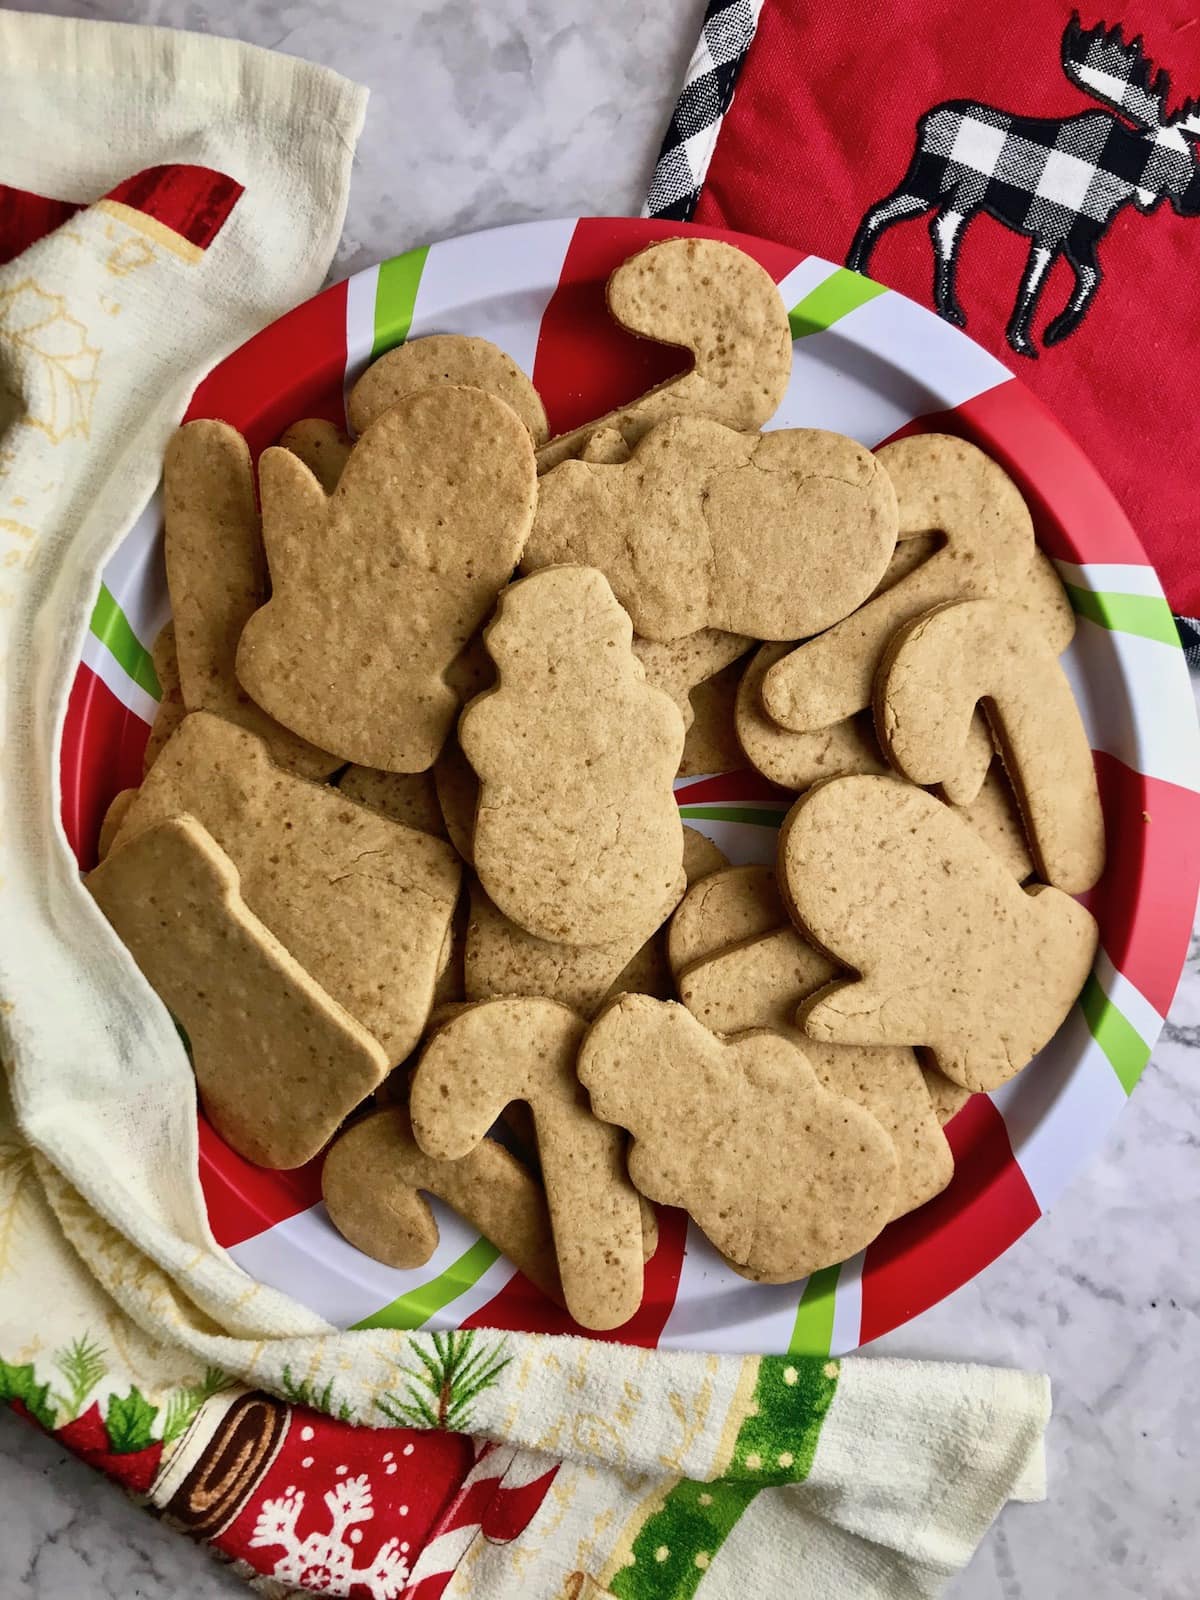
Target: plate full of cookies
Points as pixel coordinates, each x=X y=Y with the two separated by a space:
x=656 y=782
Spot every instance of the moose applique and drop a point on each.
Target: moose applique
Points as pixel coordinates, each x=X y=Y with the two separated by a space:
x=1058 y=180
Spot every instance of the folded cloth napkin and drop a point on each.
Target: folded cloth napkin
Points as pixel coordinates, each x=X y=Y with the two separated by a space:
x=192 y=190
x=1031 y=174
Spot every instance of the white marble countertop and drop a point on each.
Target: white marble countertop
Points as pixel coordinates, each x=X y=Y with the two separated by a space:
x=483 y=113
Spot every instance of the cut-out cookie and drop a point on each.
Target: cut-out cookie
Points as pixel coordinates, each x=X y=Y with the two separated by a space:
x=996 y=818
x=711 y=299
x=445 y=358
x=711 y=742
x=425 y=525
x=113 y=818
x=361 y=902
x=524 y=1049
x=940 y=667
x=724 y=908
x=955 y=956
x=171 y=710
x=372 y=1184
x=947 y=1097
x=503 y=959
x=457 y=790
x=577 y=833
x=217 y=577
x=782 y=1176
x=278 y=1064
x=323 y=448
x=407 y=797
x=774 y=535
x=607 y=445
x=759 y=983
x=649 y=971
x=679 y=665
x=942 y=484
x=798 y=760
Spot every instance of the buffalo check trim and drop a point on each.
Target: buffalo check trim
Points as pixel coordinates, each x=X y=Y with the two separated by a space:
x=712 y=75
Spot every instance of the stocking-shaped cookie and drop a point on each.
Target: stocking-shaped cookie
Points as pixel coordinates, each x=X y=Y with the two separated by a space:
x=377 y=587
x=783 y=1177
x=773 y=535
x=714 y=301
x=942 y=484
x=489 y=1055
x=278 y=1063
x=940 y=667
x=953 y=954
x=372 y=1181
x=577 y=834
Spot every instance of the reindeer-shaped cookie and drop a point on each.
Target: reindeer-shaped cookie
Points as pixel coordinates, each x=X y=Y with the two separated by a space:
x=482 y=1060
x=954 y=955
x=934 y=673
x=372 y=1181
x=1058 y=180
x=577 y=833
x=773 y=535
x=377 y=587
x=782 y=1176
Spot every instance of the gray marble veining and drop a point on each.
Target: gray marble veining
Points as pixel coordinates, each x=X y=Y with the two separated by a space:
x=499 y=112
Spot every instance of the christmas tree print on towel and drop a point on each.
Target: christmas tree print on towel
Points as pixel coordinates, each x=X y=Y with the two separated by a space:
x=441 y=1392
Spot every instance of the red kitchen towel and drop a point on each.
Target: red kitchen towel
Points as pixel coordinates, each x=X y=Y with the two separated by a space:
x=1029 y=171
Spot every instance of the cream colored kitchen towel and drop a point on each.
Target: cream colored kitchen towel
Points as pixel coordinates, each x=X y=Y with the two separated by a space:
x=192 y=190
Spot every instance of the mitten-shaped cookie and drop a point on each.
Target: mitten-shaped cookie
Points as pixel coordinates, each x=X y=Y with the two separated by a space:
x=377 y=587
x=489 y=1055
x=278 y=1063
x=953 y=954
x=773 y=535
x=942 y=484
x=372 y=1181
x=713 y=300
x=935 y=672
x=783 y=1177
x=577 y=835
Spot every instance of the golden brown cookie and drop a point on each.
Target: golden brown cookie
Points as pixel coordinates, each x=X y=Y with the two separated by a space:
x=679 y=665
x=217 y=577
x=759 y=983
x=171 y=710
x=649 y=971
x=502 y=959
x=407 y=797
x=715 y=302
x=996 y=818
x=942 y=484
x=361 y=902
x=113 y=818
x=798 y=760
x=278 y=1063
x=524 y=1049
x=323 y=448
x=445 y=358
x=577 y=834
x=782 y=1176
x=934 y=673
x=724 y=908
x=773 y=535
x=711 y=743
x=425 y=525
x=371 y=1184
x=954 y=955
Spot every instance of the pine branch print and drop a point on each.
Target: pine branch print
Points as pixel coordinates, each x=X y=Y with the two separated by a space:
x=442 y=1392
x=82 y=1365
x=184 y=1403
x=302 y=1393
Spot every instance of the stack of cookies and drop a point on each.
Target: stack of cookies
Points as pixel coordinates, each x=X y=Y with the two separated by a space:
x=407 y=867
